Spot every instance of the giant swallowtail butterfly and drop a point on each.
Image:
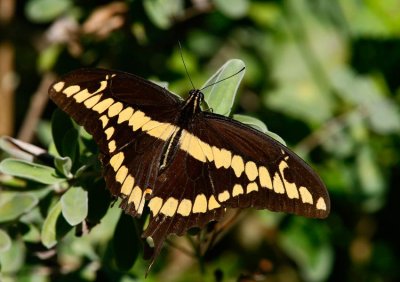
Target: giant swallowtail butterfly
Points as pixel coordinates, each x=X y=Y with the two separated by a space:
x=186 y=165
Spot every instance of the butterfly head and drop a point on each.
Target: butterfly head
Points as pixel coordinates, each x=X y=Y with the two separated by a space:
x=193 y=102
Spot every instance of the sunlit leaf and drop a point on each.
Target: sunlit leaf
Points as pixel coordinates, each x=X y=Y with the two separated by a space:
x=15 y=204
x=220 y=96
x=54 y=226
x=42 y=11
x=5 y=241
x=162 y=12
x=232 y=8
x=74 y=204
x=12 y=260
x=32 y=171
x=63 y=165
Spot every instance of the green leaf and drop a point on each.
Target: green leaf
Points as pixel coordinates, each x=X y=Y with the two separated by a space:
x=259 y=125
x=98 y=200
x=13 y=205
x=308 y=245
x=48 y=57
x=5 y=241
x=232 y=8
x=371 y=179
x=54 y=226
x=126 y=242
x=70 y=144
x=60 y=124
x=35 y=172
x=42 y=11
x=64 y=165
x=162 y=12
x=74 y=205
x=220 y=97
x=12 y=260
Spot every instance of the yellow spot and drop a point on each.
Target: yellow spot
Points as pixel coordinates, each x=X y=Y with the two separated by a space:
x=151 y=125
x=155 y=205
x=200 y=204
x=125 y=114
x=237 y=165
x=189 y=143
x=127 y=187
x=58 y=86
x=226 y=158
x=135 y=197
x=103 y=85
x=278 y=184
x=237 y=190
x=138 y=119
x=111 y=146
x=265 y=177
x=109 y=132
x=291 y=189
x=306 y=196
x=212 y=203
x=164 y=131
x=121 y=174
x=71 y=90
x=252 y=186
x=251 y=170
x=185 y=207
x=82 y=96
x=117 y=160
x=89 y=103
x=169 y=207
x=207 y=151
x=223 y=196
x=222 y=158
x=104 y=120
x=321 y=205
x=115 y=109
x=103 y=105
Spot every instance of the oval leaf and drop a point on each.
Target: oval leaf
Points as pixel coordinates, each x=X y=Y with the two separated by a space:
x=126 y=242
x=27 y=170
x=49 y=233
x=5 y=241
x=220 y=97
x=42 y=11
x=74 y=205
x=12 y=260
x=64 y=165
x=16 y=205
x=259 y=125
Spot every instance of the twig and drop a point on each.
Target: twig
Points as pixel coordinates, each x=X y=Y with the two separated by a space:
x=37 y=105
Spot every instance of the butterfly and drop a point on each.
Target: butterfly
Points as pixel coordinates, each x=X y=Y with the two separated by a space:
x=187 y=166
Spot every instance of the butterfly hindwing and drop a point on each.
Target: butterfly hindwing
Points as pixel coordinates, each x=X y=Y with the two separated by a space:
x=259 y=172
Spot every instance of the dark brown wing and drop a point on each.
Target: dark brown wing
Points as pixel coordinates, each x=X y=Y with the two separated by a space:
x=257 y=171
x=129 y=118
x=222 y=163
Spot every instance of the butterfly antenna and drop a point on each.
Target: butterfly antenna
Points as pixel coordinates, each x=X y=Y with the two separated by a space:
x=187 y=73
x=223 y=79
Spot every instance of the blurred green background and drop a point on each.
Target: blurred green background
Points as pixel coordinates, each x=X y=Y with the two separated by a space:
x=324 y=75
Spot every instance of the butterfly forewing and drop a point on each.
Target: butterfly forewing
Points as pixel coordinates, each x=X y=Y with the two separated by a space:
x=185 y=165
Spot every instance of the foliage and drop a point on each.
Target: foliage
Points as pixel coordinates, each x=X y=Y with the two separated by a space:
x=322 y=74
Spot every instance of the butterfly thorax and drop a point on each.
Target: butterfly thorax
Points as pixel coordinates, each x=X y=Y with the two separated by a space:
x=189 y=110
